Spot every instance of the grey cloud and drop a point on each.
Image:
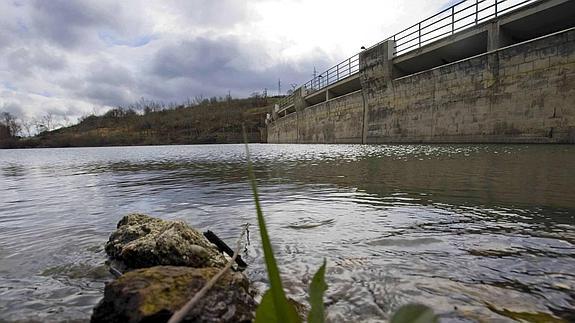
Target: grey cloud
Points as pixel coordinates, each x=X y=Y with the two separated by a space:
x=215 y=65
x=10 y=26
x=23 y=60
x=81 y=24
x=66 y=22
x=200 y=58
x=5 y=38
x=106 y=83
x=105 y=94
x=213 y=13
x=64 y=111
x=49 y=61
x=12 y=108
x=52 y=42
x=103 y=72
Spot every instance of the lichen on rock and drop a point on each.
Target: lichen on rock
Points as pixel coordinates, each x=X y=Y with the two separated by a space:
x=154 y=294
x=141 y=241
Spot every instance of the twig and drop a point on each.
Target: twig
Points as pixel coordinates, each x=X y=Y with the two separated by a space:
x=248 y=233
x=114 y=271
x=179 y=315
x=223 y=247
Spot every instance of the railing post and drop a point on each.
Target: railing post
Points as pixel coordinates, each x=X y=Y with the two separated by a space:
x=337 y=72
x=452 y=20
x=496 y=2
x=349 y=65
x=476 y=11
x=419 y=34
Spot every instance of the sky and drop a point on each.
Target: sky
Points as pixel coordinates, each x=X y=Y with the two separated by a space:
x=70 y=58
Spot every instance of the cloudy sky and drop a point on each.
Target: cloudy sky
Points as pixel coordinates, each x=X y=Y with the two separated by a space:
x=72 y=57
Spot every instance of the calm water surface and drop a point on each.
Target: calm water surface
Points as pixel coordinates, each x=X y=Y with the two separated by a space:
x=478 y=232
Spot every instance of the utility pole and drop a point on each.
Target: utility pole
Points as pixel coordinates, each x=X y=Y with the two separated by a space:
x=279 y=87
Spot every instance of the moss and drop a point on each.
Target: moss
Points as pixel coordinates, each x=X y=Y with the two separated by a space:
x=537 y=317
x=142 y=241
x=151 y=292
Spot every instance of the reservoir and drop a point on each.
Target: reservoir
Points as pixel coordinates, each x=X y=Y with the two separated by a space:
x=477 y=232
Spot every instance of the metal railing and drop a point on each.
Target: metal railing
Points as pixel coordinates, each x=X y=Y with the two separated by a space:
x=449 y=21
x=286 y=101
x=334 y=74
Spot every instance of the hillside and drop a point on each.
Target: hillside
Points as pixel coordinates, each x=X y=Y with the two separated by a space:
x=208 y=122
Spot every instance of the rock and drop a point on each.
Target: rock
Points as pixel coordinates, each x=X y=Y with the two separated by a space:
x=154 y=294
x=142 y=241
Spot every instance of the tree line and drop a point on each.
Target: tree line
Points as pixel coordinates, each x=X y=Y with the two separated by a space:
x=147 y=122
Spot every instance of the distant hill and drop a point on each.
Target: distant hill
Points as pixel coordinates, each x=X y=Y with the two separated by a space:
x=211 y=121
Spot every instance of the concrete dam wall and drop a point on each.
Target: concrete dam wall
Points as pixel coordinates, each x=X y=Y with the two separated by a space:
x=513 y=92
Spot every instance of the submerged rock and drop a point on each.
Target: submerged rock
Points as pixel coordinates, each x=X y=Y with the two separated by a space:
x=142 y=241
x=154 y=294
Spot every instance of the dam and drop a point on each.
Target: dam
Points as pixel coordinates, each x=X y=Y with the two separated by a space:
x=480 y=71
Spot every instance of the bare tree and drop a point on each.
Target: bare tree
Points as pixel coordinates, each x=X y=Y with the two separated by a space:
x=39 y=126
x=199 y=99
x=48 y=121
x=11 y=123
x=66 y=122
x=27 y=127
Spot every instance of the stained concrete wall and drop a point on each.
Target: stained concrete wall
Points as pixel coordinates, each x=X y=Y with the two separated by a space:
x=283 y=130
x=524 y=93
x=339 y=120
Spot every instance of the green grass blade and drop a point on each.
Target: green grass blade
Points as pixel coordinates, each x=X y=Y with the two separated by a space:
x=266 y=311
x=316 y=291
x=414 y=313
x=283 y=309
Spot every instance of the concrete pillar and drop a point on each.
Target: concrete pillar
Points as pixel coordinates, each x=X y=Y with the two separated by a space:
x=377 y=62
x=376 y=72
x=497 y=37
x=275 y=114
x=299 y=104
x=299 y=101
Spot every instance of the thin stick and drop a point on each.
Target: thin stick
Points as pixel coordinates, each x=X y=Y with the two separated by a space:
x=179 y=315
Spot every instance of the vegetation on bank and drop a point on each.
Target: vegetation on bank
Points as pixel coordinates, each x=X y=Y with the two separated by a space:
x=202 y=121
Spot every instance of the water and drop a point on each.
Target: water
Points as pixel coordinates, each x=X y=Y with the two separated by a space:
x=478 y=232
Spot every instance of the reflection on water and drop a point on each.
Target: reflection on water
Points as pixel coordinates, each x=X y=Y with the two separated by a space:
x=479 y=232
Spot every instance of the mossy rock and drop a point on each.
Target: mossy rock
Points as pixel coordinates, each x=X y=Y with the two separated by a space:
x=154 y=294
x=142 y=241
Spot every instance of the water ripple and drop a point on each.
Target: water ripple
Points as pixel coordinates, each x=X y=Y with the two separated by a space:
x=478 y=232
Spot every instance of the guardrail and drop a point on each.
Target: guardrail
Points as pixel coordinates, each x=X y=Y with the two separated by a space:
x=286 y=101
x=447 y=22
x=458 y=17
x=338 y=72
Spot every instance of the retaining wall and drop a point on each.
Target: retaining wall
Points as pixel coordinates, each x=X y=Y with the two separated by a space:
x=524 y=93
x=339 y=120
